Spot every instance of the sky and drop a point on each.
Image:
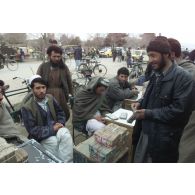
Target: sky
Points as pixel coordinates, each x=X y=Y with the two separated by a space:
x=186 y=39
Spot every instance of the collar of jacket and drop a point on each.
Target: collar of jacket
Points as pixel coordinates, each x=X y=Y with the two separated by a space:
x=170 y=73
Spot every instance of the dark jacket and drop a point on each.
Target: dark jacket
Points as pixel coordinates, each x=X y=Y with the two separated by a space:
x=116 y=92
x=38 y=122
x=78 y=53
x=65 y=76
x=168 y=115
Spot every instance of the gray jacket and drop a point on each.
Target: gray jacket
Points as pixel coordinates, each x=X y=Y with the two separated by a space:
x=189 y=66
x=187 y=144
x=117 y=92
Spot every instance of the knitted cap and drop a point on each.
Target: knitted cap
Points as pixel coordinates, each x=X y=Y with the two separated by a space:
x=159 y=44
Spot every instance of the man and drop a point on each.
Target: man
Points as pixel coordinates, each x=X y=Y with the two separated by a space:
x=165 y=108
x=78 y=56
x=119 y=89
x=57 y=76
x=114 y=54
x=129 y=61
x=2 y=60
x=176 y=55
x=45 y=122
x=192 y=56
x=89 y=106
x=7 y=126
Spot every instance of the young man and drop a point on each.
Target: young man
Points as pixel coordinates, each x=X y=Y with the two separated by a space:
x=57 y=76
x=119 y=89
x=176 y=55
x=78 y=56
x=45 y=122
x=165 y=108
x=89 y=106
x=129 y=61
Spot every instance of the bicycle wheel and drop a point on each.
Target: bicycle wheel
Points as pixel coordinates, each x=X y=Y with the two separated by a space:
x=12 y=65
x=81 y=70
x=132 y=74
x=99 y=70
x=76 y=86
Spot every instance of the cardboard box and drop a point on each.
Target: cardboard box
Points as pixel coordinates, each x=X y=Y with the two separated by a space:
x=101 y=153
x=86 y=153
x=112 y=135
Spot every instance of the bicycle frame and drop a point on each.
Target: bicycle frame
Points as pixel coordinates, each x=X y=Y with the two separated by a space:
x=13 y=93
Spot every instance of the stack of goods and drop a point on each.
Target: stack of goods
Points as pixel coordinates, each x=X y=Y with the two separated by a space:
x=108 y=143
x=9 y=153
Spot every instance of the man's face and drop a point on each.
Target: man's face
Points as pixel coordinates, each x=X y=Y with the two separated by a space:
x=100 y=90
x=157 y=60
x=39 y=90
x=122 y=78
x=55 y=57
x=1 y=95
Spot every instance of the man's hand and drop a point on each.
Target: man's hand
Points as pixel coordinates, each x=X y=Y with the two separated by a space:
x=134 y=92
x=140 y=114
x=135 y=106
x=57 y=126
x=100 y=119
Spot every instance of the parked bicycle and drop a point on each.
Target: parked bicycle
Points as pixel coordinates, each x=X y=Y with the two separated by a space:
x=9 y=62
x=92 y=65
x=136 y=71
x=15 y=113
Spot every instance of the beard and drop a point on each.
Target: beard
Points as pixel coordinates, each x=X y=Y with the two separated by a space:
x=161 y=64
x=54 y=65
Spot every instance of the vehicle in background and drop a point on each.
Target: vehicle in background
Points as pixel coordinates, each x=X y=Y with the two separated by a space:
x=105 y=52
x=138 y=54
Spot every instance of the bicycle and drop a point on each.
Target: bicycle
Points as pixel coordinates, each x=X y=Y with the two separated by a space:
x=16 y=115
x=10 y=63
x=77 y=85
x=136 y=71
x=92 y=65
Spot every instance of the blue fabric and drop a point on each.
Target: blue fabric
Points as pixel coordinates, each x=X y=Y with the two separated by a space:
x=40 y=133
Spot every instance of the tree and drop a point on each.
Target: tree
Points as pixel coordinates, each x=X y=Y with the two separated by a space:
x=96 y=40
x=146 y=38
x=115 y=39
x=133 y=42
x=75 y=41
x=15 y=38
x=64 y=39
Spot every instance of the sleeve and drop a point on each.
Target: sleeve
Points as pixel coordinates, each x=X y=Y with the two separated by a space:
x=61 y=118
x=37 y=132
x=39 y=71
x=182 y=94
x=116 y=93
x=69 y=81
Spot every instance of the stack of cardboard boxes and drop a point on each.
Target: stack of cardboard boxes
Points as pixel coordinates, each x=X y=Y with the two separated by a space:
x=107 y=144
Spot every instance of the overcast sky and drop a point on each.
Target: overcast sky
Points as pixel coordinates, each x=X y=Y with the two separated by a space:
x=187 y=40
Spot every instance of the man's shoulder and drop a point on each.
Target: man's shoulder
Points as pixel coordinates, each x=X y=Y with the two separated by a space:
x=44 y=64
x=182 y=74
x=28 y=100
x=113 y=81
